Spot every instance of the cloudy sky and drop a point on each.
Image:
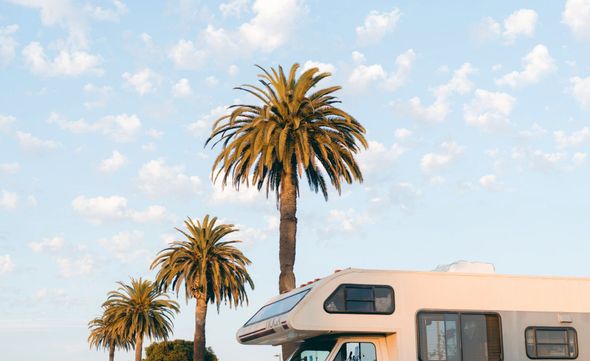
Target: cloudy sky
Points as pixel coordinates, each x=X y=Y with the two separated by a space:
x=478 y=118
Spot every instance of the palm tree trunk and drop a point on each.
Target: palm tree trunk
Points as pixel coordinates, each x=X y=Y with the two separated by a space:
x=138 y=346
x=287 y=242
x=112 y=352
x=287 y=232
x=200 y=318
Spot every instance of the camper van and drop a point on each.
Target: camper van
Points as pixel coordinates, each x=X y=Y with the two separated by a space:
x=370 y=315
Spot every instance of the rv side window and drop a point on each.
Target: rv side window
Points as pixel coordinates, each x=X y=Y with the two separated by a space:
x=357 y=351
x=551 y=343
x=361 y=299
x=448 y=336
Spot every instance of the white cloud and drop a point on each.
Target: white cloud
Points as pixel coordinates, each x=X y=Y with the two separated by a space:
x=579 y=158
x=545 y=161
x=376 y=25
x=153 y=133
x=9 y=168
x=234 y=7
x=536 y=131
x=576 y=16
x=520 y=23
x=211 y=81
x=81 y=266
x=378 y=156
x=404 y=195
x=402 y=134
x=102 y=209
x=33 y=144
x=51 y=244
x=233 y=70
x=574 y=139
x=7 y=44
x=103 y=14
x=120 y=128
x=489 y=110
x=182 y=88
x=6 y=264
x=441 y=107
x=64 y=13
x=323 y=67
x=404 y=63
x=57 y=296
x=156 y=178
x=228 y=195
x=362 y=75
x=536 y=65
x=489 y=182
x=142 y=81
x=186 y=55
x=6 y=122
x=114 y=163
x=581 y=91
x=202 y=126
x=100 y=95
x=432 y=162
x=270 y=27
x=66 y=63
x=272 y=23
x=348 y=220
x=125 y=246
x=358 y=57
x=8 y=200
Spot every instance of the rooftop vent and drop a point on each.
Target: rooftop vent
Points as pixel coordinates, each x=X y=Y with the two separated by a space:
x=467 y=267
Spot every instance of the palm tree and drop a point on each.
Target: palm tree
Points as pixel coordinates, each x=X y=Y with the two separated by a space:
x=291 y=133
x=139 y=310
x=103 y=335
x=212 y=271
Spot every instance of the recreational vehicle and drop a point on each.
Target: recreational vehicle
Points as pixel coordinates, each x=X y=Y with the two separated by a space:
x=369 y=315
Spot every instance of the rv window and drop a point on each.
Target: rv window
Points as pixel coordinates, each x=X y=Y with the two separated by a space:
x=361 y=299
x=357 y=351
x=277 y=308
x=313 y=351
x=551 y=343
x=459 y=337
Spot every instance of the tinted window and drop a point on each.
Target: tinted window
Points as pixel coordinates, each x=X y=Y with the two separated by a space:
x=357 y=351
x=313 y=351
x=361 y=299
x=551 y=343
x=459 y=337
x=277 y=308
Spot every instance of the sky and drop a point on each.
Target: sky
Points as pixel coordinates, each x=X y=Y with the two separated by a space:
x=477 y=116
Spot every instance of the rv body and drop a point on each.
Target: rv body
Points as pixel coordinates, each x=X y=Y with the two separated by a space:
x=370 y=315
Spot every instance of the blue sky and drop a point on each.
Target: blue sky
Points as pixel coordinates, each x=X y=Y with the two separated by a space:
x=477 y=117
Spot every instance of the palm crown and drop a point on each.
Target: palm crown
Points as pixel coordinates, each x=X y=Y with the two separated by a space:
x=140 y=309
x=205 y=264
x=103 y=335
x=290 y=134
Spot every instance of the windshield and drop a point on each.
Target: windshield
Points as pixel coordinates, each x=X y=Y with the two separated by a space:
x=277 y=308
x=313 y=351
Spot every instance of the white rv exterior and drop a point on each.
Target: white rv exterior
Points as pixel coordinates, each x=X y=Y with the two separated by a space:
x=428 y=316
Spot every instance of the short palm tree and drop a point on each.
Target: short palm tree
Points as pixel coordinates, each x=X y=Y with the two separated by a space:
x=296 y=130
x=103 y=336
x=212 y=271
x=139 y=310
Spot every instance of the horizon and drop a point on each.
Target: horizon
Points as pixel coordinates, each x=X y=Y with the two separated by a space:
x=477 y=117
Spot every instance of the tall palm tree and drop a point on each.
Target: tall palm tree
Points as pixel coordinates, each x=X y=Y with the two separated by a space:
x=212 y=271
x=296 y=130
x=139 y=310
x=103 y=335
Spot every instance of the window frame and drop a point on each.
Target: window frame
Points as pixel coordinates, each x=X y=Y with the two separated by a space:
x=551 y=328
x=338 y=347
x=459 y=328
x=357 y=285
x=305 y=292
